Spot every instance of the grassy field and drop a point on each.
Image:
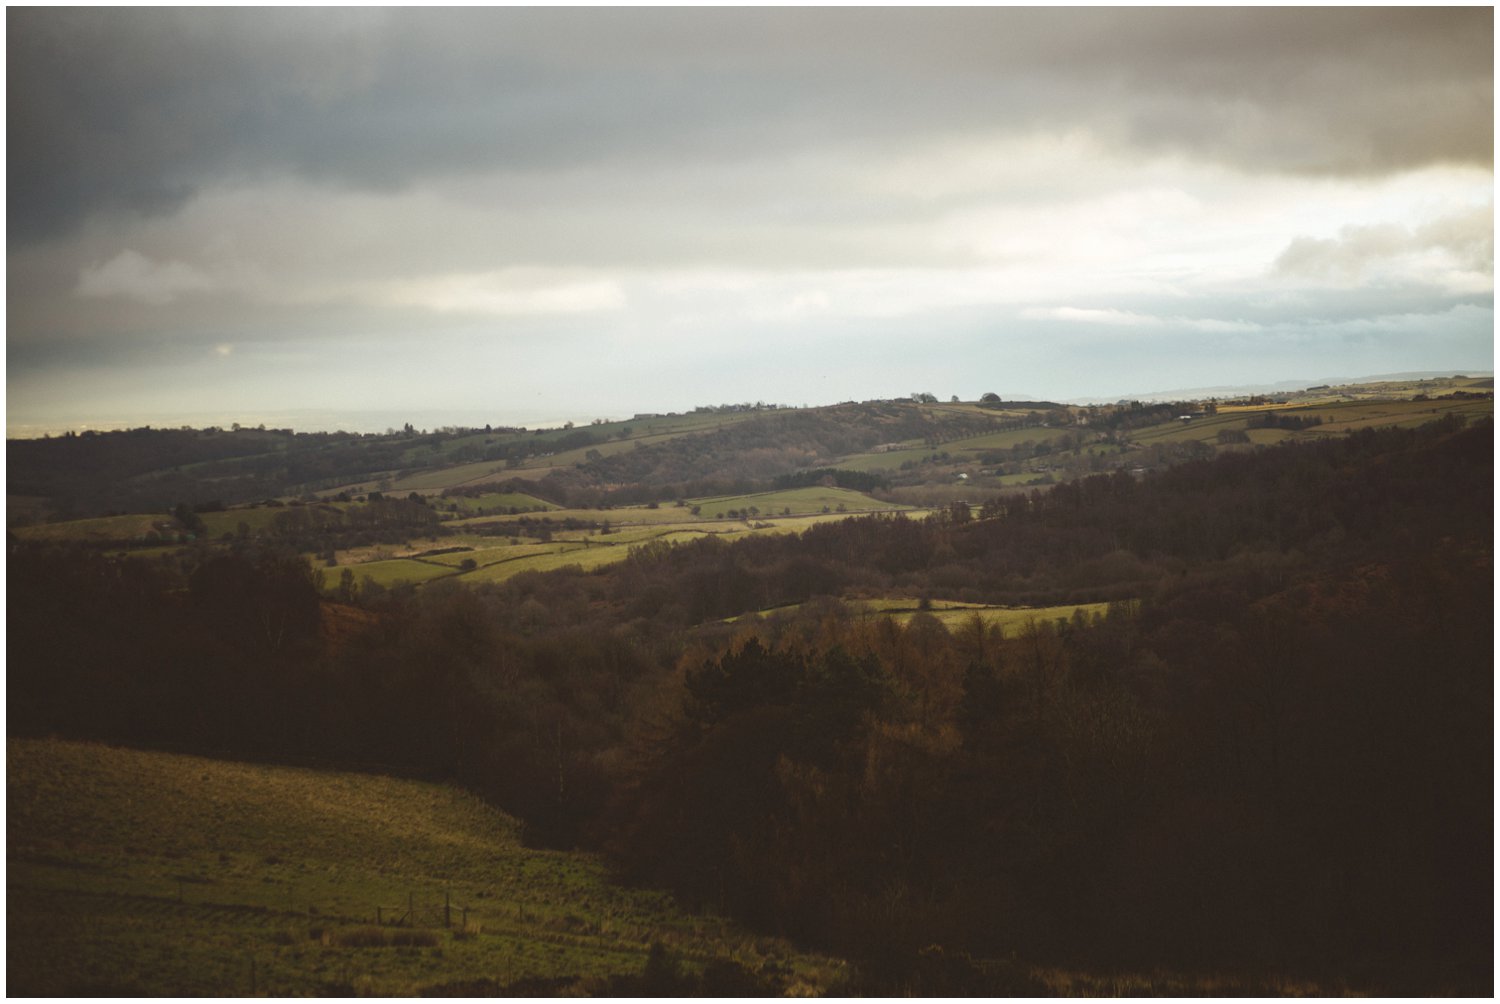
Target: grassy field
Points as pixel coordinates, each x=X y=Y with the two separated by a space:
x=953 y=613
x=258 y=519
x=389 y=572
x=622 y=516
x=799 y=501
x=104 y=528
x=448 y=477
x=468 y=505
x=1337 y=417
x=1011 y=620
x=137 y=873
x=965 y=450
x=587 y=549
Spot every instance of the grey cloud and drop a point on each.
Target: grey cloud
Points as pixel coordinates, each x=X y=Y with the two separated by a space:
x=134 y=111
x=1467 y=238
x=1470 y=237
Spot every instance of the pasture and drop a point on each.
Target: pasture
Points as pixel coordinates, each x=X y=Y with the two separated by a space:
x=955 y=613
x=620 y=516
x=791 y=501
x=586 y=549
x=1011 y=620
x=469 y=505
x=101 y=530
x=439 y=478
x=142 y=873
x=966 y=450
x=1336 y=418
x=386 y=573
x=257 y=519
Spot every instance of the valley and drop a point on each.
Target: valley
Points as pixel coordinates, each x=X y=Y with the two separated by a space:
x=896 y=697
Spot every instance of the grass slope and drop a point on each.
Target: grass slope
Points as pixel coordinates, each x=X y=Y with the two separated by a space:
x=139 y=873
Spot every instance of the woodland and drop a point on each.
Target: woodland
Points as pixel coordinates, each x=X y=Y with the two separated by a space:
x=1272 y=753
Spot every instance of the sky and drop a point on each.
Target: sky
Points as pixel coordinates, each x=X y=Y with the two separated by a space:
x=351 y=218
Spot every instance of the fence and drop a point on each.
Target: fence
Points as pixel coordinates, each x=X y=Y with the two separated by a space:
x=419 y=913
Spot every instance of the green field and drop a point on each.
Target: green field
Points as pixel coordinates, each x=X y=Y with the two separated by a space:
x=258 y=519
x=448 y=477
x=136 y=873
x=1011 y=620
x=800 y=501
x=966 y=450
x=388 y=573
x=1338 y=418
x=550 y=557
x=622 y=516
x=587 y=549
x=104 y=528
x=467 y=505
x=954 y=613
x=481 y=554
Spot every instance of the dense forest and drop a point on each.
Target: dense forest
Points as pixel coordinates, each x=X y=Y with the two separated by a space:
x=1273 y=753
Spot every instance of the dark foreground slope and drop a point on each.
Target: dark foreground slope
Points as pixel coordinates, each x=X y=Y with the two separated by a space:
x=134 y=873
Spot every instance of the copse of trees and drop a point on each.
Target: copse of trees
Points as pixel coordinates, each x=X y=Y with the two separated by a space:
x=860 y=481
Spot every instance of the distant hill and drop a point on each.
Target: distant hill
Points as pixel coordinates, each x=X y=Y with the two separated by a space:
x=908 y=451
x=1281 y=386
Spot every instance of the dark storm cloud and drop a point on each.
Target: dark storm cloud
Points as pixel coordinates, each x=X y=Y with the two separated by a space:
x=137 y=110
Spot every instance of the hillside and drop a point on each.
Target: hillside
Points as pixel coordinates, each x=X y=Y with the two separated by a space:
x=374 y=503
x=137 y=873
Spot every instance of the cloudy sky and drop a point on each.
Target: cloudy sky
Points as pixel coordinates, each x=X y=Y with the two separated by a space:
x=527 y=215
